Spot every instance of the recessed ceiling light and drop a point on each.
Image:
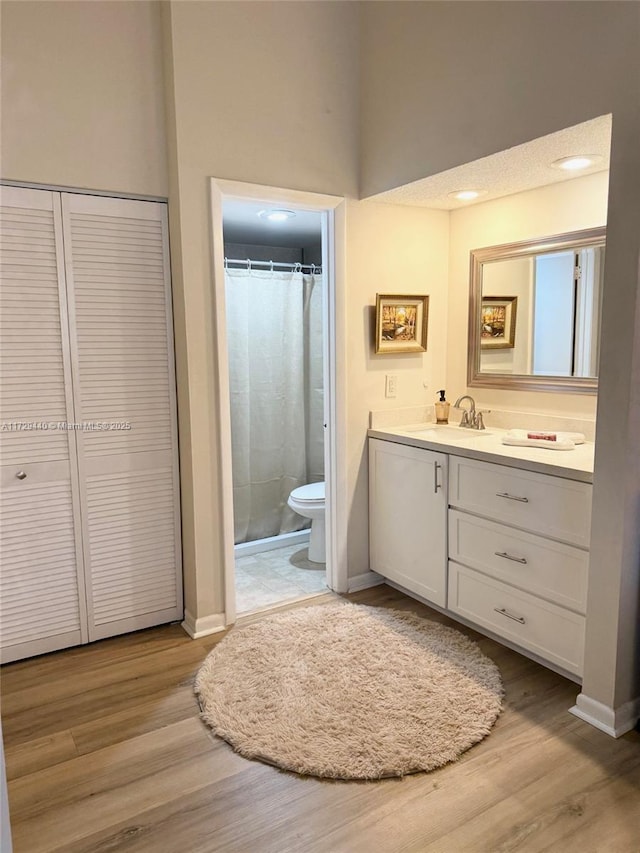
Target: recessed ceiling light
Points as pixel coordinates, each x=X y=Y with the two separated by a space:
x=276 y=215
x=467 y=195
x=576 y=162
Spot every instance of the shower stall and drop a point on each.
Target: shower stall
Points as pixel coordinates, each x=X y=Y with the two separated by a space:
x=275 y=347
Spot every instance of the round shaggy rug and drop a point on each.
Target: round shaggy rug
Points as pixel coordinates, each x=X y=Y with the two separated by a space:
x=349 y=692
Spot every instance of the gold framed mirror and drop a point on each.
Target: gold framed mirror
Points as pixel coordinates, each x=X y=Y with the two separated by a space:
x=534 y=313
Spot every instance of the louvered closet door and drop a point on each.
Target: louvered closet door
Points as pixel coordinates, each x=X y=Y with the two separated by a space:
x=121 y=330
x=41 y=585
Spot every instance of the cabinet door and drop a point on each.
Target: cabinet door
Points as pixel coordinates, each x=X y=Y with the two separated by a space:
x=116 y=254
x=41 y=584
x=408 y=517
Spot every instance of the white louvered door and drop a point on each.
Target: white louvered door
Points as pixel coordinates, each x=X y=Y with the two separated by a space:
x=89 y=494
x=119 y=296
x=42 y=600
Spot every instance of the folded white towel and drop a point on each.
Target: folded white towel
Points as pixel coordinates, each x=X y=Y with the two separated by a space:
x=547 y=435
x=559 y=444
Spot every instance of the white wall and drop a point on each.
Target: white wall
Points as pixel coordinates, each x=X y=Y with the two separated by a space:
x=390 y=249
x=554 y=209
x=82 y=96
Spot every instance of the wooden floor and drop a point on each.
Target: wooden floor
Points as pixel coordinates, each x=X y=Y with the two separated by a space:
x=105 y=752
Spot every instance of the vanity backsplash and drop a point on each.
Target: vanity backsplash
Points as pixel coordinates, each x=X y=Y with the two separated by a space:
x=498 y=418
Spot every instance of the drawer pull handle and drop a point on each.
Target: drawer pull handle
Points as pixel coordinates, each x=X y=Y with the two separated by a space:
x=510 y=557
x=506 y=613
x=436 y=484
x=21 y=475
x=512 y=497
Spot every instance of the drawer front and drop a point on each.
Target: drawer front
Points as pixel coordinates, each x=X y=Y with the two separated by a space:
x=543 y=567
x=539 y=503
x=551 y=632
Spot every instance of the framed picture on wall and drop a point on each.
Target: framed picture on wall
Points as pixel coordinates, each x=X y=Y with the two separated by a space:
x=498 y=322
x=401 y=323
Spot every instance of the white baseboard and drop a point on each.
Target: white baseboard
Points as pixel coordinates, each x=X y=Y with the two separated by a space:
x=613 y=721
x=364 y=581
x=204 y=626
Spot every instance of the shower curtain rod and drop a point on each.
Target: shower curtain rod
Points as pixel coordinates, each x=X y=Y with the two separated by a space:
x=272 y=264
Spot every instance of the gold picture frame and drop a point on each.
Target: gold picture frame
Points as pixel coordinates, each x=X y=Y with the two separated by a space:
x=401 y=323
x=498 y=322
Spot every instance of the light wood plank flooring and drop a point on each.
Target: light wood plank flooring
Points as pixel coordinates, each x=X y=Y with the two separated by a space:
x=105 y=752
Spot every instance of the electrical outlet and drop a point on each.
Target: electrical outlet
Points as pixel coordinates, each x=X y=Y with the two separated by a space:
x=391 y=385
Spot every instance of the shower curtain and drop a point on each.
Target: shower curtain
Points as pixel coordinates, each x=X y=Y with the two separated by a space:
x=274 y=331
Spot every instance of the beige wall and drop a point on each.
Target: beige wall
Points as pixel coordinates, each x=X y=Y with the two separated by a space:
x=260 y=92
x=448 y=83
x=554 y=209
x=82 y=96
x=431 y=101
x=390 y=249
x=270 y=92
x=266 y=92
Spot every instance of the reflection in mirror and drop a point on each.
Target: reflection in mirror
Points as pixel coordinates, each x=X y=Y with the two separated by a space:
x=535 y=313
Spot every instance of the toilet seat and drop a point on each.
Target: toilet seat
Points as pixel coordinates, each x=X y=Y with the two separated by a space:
x=310 y=493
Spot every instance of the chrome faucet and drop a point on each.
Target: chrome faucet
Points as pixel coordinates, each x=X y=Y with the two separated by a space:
x=471 y=419
x=468 y=415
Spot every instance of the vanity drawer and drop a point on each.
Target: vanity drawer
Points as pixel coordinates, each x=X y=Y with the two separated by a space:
x=551 y=632
x=541 y=566
x=539 y=503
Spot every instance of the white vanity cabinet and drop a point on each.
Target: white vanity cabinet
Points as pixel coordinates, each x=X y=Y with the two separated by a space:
x=408 y=517
x=498 y=547
x=518 y=558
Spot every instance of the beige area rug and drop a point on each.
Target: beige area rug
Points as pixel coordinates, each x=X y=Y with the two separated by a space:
x=346 y=691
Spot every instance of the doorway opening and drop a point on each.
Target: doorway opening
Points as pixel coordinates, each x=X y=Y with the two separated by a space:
x=275 y=295
x=275 y=334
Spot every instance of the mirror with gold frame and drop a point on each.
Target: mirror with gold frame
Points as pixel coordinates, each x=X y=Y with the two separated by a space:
x=534 y=313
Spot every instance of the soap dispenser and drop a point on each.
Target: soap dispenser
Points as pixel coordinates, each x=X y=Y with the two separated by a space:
x=442 y=409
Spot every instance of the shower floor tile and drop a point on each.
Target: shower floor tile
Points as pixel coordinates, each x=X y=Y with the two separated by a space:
x=275 y=576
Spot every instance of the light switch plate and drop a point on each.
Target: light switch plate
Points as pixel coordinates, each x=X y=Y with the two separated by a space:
x=391 y=385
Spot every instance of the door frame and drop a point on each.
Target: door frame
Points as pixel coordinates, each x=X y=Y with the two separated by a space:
x=333 y=210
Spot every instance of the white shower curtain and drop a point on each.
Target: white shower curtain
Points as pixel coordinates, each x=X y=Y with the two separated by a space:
x=276 y=415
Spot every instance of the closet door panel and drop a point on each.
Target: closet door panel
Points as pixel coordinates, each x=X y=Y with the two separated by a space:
x=131 y=518
x=42 y=604
x=118 y=273
x=39 y=607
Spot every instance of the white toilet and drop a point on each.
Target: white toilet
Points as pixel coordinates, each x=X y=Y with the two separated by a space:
x=308 y=501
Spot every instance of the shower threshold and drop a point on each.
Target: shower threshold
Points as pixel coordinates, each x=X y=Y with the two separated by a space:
x=258 y=546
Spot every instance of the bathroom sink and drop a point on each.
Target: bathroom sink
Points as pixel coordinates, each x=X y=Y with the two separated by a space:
x=448 y=433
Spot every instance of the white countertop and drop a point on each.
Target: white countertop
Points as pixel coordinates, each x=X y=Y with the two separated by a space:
x=487 y=445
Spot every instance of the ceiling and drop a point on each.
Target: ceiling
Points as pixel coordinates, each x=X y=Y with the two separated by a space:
x=521 y=168
x=243 y=225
